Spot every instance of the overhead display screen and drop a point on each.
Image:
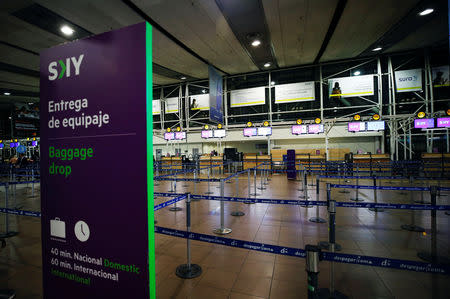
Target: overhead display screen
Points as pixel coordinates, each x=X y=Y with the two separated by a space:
x=219 y=133
x=443 y=122
x=264 y=131
x=207 y=134
x=248 y=132
x=356 y=126
x=299 y=129
x=169 y=136
x=375 y=125
x=315 y=129
x=424 y=123
x=180 y=135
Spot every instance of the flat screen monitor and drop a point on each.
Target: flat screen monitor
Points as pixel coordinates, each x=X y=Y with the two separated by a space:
x=375 y=125
x=248 y=132
x=169 y=136
x=443 y=122
x=264 y=131
x=207 y=134
x=220 y=133
x=424 y=123
x=299 y=129
x=33 y=143
x=315 y=129
x=2 y=145
x=180 y=135
x=12 y=144
x=358 y=126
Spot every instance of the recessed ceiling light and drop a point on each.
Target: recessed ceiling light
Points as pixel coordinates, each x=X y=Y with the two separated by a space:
x=377 y=49
x=357 y=73
x=204 y=90
x=272 y=83
x=267 y=64
x=183 y=78
x=7 y=93
x=67 y=30
x=426 y=12
x=256 y=43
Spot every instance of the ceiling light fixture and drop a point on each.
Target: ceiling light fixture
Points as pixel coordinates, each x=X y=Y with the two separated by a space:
x=256 y=42
x=203 y=90
x=426 y=12
x=183 y=78
x=267 y=64
x=67 y=30
x=377 y=49
x=7 y=93
x=272 y=83
x=357 y=73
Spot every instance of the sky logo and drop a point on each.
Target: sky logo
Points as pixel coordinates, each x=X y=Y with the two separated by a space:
x=65 y=68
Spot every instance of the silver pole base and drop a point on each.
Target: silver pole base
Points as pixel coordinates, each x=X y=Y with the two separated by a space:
x=265 y=184
x=326 y=246
x=186 y=272
x=261 y=188
x=344 y=191
x=237 y=213
x=412 y=228
x=175 y=209
x=317 y=220
x=222 y=231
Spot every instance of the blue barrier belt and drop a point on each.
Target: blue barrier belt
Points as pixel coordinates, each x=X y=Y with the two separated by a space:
x=301 y=253
x=169 y=202
x=20 y=212
x=361 y=177
x=186 y=180
x=380 y=187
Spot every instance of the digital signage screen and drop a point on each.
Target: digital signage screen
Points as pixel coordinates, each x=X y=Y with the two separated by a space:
x=299 y=129
x=180 y=135
x=248 y=132
x=12 y=144
x=356 y=126
x=169 y=136
x=424 y=123
x=375 y=125
x=2 y=145
x=315 y=129
x=207 y=134
x=443 y=122
x=264 y=131
x=33 y=143
x=219 y=133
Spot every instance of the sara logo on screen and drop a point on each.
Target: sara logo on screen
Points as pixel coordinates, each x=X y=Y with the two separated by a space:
x=410 y=78
x=59 y=69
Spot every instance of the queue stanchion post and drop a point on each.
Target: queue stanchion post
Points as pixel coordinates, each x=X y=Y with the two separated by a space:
x=261 y=171
x=171 y=186
x=331 y=204
x=412 y=227
x=254 y=183
x=209 y=182
x=313 y=256
x=195 y=186
x=343 y=172
x=305 y=186
x=422 y=199
x=237 y=212
x=175 y=208
x=301 y=171
x=432 y=256
x=222 y=230
x=8 y=233
x=375 y=194
x=188 y=270
x=185 y=184
x=317 y=219
x=32 y=182
x=156 y=182
x=356 y=198
x=269 y=171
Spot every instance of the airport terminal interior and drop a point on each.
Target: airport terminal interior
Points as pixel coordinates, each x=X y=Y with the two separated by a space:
x=299 y=149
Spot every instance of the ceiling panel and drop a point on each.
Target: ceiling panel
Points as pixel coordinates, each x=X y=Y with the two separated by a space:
x=362 y=23
x=17 y=86
x=200 y=25
x=297 y=28
x=17 y=78
x=19 y=58
x=161 y=80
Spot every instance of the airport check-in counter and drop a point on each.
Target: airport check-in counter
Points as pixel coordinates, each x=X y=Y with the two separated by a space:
x=374 y=162
x=308 y=160
x=436 y=162
x=173 y=163
x=267 y=159
x=208 y=161
x=249 y=161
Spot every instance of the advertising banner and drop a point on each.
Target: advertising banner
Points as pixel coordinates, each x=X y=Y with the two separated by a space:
x=440 y=76
x=294 y=92
x=171 y=105
x=215 y=96
x=408 y=80
x=97 y=209
x=156 y=107
x=354 y=86
x=248 y=97
x=199 y=102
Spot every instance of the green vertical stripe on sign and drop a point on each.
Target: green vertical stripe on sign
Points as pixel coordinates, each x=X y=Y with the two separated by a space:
x=150 y=201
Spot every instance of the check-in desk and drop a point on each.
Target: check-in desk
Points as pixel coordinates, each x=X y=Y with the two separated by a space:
x=436 y=162
x=177 y=163
x=249 y=161
x=217 y=161
x=369 y=162
x=266 y=159
x=309 y=161
x=166 y=163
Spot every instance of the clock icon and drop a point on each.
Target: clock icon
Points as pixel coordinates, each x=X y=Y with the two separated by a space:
x=82 y=231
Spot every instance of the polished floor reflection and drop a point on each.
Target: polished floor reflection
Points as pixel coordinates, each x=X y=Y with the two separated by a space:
x=238 y=273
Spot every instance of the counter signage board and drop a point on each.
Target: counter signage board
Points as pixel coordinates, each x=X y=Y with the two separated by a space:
x=97 y=209
x=408 y=80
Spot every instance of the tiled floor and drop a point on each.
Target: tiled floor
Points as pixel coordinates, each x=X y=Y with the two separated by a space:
x=238 y=273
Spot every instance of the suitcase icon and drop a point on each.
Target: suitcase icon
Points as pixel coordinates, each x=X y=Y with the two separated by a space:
x=57 y=228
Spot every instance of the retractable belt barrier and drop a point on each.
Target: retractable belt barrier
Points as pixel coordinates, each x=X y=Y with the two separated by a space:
x=169 y=202
x=301 y=253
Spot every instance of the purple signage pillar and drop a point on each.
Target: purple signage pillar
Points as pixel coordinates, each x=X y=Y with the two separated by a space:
x=97 y=195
